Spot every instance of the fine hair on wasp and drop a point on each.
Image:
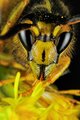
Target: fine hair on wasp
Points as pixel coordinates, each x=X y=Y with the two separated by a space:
x=45 y=30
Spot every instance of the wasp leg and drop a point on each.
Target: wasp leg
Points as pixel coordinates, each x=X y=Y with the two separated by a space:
x=15 y=15
x=70 y=92
x=58 y=70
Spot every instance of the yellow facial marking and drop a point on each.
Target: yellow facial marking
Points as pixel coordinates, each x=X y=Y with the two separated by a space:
x=27 y=21
x=60 y=29
x=35 y=30
x=44 y=28
x=50 y=52
x=56 y=30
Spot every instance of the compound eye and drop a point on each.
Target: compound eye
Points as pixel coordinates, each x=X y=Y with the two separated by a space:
x=27 y=39
x=63 y=41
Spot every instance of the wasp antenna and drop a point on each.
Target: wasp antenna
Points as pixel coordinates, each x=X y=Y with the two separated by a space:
x=74 y=20
x=14 y=30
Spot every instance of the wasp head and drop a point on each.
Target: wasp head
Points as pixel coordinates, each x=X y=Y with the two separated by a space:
x=46 y=33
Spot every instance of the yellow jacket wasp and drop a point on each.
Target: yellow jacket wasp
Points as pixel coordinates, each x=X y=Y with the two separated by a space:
x=45 y=32
x=40 y=34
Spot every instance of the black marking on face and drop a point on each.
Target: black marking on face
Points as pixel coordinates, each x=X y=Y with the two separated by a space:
x=46 y=38
x=43 y=56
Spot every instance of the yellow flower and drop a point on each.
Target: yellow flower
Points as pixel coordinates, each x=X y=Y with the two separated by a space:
x=41 y=104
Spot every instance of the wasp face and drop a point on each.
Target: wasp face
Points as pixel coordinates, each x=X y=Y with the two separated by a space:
x=43 y=43
x=44 y=50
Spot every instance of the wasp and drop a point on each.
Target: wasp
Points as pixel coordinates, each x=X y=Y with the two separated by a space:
x=43 y=33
